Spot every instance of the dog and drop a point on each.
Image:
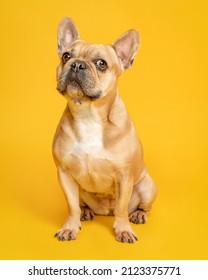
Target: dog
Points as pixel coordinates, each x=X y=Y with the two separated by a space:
x=98 y=155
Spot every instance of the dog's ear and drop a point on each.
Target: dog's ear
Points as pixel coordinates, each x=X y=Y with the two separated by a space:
x=126 y=47
x=67 y=33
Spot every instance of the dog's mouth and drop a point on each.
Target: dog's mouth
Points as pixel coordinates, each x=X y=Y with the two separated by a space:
x=77 y=88
x=77 y=85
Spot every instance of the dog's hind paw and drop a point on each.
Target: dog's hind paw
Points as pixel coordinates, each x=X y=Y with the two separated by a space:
x=138 y=217
x=86 y=214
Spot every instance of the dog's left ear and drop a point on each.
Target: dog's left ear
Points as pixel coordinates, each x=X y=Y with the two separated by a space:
x=67 y=33
x=127 y=47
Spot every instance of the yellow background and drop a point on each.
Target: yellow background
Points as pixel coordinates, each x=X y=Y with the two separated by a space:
x=166 y=95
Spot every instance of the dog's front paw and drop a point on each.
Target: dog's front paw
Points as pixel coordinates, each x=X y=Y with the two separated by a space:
x=66 y=234
x=138 y=217
x=124 y=231
x=125 y=236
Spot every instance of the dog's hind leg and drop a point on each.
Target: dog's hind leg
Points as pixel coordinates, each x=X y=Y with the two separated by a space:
x=143 y=195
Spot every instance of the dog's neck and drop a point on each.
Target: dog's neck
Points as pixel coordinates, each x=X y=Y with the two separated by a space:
x=99 y=110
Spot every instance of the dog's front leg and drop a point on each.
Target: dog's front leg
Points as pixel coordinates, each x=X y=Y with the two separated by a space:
x=71 y=228
x=122 y=227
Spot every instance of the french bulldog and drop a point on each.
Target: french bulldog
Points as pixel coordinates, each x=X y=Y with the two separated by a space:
x=98 y=155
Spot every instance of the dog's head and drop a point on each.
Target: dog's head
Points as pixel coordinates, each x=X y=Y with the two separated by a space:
x=87 y=71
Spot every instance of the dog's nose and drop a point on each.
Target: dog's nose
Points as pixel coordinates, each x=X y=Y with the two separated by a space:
x=78 y=65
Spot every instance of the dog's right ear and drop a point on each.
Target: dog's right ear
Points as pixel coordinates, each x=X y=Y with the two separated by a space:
x=67 y=33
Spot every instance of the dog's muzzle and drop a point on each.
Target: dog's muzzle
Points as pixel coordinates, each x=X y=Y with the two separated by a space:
x=78 y=78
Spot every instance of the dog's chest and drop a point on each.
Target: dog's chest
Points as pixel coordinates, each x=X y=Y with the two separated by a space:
x=89 y=140
x=88 y=159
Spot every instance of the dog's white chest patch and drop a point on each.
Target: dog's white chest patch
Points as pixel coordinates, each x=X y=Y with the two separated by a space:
x=89 y=134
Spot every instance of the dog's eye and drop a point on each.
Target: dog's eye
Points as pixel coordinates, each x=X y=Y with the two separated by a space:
x=65 y=57
x=101 y=65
